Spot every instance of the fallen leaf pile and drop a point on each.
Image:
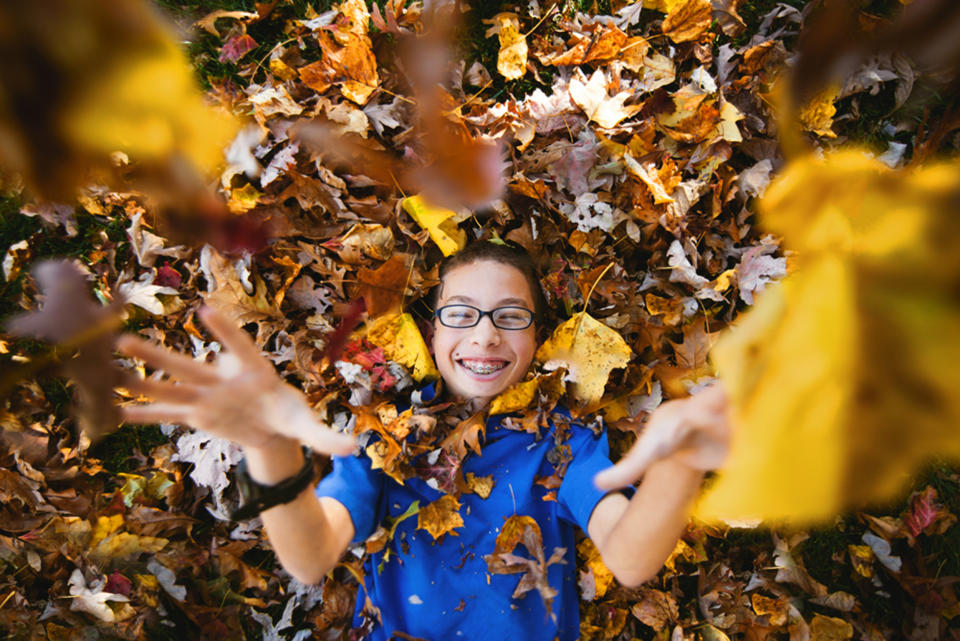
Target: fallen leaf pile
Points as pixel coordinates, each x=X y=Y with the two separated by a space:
x=628 y=150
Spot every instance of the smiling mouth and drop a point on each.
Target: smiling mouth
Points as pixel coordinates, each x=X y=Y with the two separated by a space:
x=483 y=367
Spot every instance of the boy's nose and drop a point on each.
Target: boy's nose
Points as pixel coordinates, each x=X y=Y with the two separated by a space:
x=485 y=333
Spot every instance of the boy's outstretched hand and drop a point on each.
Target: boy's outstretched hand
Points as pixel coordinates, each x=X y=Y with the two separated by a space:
x=239 y=397
x=694 y=431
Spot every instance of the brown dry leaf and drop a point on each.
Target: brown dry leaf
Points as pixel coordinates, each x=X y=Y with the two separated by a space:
x=383 y=289
x=776 y=610
x=440 y=517
x=523 y=530
x=226 y=293
x=595 y=47
x=656 y=608
x=588 y=350
x=687 y=20
x=466 y=434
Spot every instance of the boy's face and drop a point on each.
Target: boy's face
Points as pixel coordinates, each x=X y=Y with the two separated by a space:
x=481 y=361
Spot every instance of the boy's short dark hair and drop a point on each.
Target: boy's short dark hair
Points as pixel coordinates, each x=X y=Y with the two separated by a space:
x=509 y=254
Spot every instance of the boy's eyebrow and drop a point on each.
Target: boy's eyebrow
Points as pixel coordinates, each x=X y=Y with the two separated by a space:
x=500 y=303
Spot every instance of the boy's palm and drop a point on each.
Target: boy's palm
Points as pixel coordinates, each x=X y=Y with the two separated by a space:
x=694 y=431
x=239 y=397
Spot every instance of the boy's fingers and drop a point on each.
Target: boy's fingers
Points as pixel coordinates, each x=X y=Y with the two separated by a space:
x=164 y=391
x=171 y=362
x=156 y=413
x=231 y=336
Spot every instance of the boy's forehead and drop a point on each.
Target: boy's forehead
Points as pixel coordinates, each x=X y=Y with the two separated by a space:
x=486 y=279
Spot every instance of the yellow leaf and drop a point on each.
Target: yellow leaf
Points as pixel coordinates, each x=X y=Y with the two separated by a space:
x=105 y=526
x=727 y=128
x=147 y=105
x=402 y=342
x=817 y=115
x=480 y=485
x=440 y=517
x=515 y=398
x=589 y=350
x=243 y=199
x=861 y=557
x=824 y=628
x=602 y=576
x=843 y=378
x=687 y=19
x=440 y=224
x=512 y=59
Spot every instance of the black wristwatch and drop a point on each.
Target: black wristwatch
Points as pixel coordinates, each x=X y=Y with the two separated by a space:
x=256 y=497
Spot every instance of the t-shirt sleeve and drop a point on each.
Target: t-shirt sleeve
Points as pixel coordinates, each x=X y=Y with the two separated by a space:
x=359 y=488
x=578 y=496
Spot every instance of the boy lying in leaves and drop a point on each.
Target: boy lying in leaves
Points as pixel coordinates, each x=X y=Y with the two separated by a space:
x=508 y=510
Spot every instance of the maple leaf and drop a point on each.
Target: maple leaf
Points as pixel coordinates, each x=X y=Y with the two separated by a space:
x=384 y=288
x=589 y=350
x=466 y=434
x=440 y=517
x=592 y=97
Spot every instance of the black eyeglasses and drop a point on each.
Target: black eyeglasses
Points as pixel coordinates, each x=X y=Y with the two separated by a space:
x=461 y=316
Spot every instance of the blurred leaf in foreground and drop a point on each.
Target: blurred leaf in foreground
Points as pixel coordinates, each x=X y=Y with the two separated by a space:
x=82 y=80
x=71 y=320
x=843 y=378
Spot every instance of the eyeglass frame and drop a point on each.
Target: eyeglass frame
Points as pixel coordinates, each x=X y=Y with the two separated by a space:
x=483 y=313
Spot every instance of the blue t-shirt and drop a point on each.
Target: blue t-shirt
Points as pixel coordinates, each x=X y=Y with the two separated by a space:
x=442 y=590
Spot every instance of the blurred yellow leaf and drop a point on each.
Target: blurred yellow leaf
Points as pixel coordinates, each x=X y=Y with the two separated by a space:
x=843 y=377
x=244 y=199
x=589 y=350
x=512 y=59
x=440 y=223
x=147 y=104
x=402 y=342
x=440 y=517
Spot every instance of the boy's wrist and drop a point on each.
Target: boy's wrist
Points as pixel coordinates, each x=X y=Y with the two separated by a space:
x=275 y=461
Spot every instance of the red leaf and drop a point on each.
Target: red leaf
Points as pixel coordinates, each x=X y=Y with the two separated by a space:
x=237 y=47
x=923 y=511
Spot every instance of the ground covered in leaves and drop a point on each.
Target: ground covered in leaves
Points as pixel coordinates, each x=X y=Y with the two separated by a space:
x=635 y=140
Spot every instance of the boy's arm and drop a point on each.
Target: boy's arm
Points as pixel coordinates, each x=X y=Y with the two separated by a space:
x=309 y=535
x=636 y=536
x=681 y=441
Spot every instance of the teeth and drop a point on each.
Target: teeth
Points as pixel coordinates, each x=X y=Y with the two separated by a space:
x=483 y=368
